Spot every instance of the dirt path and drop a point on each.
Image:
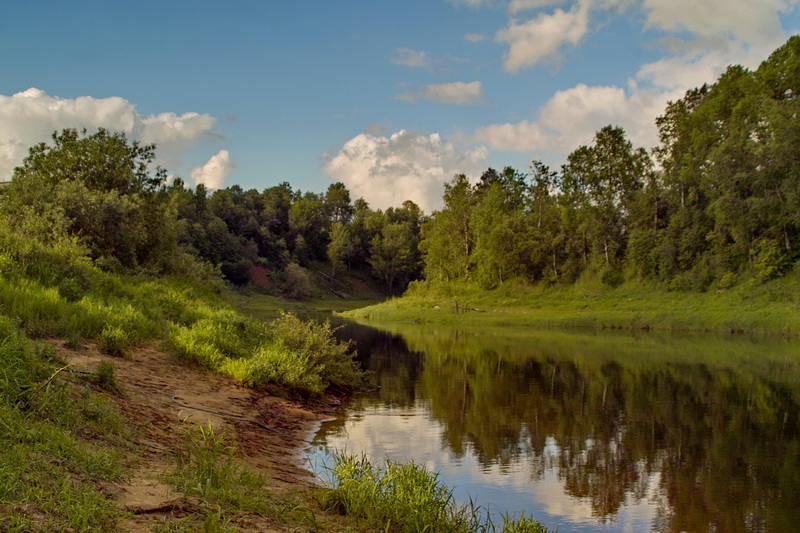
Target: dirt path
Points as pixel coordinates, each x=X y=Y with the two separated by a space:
x=149 y=378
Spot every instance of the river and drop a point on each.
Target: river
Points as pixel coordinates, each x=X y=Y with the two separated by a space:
x=587 y=431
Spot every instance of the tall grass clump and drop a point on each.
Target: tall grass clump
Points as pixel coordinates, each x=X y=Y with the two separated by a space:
x=206 y=468
x=409 y=498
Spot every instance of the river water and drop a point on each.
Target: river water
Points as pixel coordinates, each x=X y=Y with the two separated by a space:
x=587 y=431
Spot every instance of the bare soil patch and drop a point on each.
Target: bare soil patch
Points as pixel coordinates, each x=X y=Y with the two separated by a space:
x=155 y=389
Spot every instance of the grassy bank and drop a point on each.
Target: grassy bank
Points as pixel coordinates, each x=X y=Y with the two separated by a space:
x=65 y=443
x=768 y=308
x=410 y=499
x=59 y=443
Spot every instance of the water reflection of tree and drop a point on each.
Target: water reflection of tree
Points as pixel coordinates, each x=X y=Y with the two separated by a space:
x=726 y=445
x=393 y=368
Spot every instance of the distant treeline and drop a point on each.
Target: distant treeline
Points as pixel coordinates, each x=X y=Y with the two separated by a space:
x=717 y=201
x=282 y=229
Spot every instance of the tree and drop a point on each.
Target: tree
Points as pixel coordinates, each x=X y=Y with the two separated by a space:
x=103 y=187
x=392 y=254
x=343 y=246
x=601 y=181
x=337 y=203
x=307 y=219
x=447 y=239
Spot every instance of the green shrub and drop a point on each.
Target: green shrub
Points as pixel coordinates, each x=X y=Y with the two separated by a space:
x=314 y=343
x=274 y=364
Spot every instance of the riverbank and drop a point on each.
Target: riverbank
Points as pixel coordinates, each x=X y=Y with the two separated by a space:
x=203 y=452
x=770 y=308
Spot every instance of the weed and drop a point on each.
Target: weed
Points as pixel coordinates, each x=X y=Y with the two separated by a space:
x=105 y=377
x=407 y=497
x=207 y=469
x=114 y=341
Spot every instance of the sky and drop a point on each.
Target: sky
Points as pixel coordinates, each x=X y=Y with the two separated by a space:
x=392 y=98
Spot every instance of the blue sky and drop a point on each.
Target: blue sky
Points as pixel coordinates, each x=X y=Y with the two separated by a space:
x=392 y=98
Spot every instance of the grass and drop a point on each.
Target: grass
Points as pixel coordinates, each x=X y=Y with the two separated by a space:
x=58 y=443
x=409 y=498
x=769 y=308
x=207 y=469
x=61 y=294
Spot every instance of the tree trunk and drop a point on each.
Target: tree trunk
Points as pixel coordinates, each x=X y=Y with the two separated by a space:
x=555 y=270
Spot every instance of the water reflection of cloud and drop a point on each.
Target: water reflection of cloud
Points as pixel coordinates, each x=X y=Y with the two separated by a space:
x=529 y=484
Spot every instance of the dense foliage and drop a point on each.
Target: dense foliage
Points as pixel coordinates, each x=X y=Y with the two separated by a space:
x=98 y=189
x=717 y=201
x=286 y=232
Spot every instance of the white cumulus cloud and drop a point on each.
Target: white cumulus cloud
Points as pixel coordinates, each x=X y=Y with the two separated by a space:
x=213 y=173
x=700 y=39
x=30 y=117
x=448 y=93
x=406 y=165
x=543 y=36
x=571 y=118
x=755 y=22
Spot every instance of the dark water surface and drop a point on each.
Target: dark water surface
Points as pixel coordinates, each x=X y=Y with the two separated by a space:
x=588 y=431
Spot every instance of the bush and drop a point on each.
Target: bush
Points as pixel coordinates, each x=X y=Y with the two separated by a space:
x=297 y=283
x=314 y=341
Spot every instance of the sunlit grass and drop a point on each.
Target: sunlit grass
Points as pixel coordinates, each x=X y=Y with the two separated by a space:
x=409 y=498
x=54 y=444
x=751 y=307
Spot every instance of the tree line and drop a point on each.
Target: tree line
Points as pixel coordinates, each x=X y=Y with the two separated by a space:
x=716 y=202
x=102 y=191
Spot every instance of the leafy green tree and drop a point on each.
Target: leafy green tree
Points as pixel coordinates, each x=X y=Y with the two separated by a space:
x=308 y=219
x=392 y=254
x=337 y=203
x=343 y=247
x=447 y=238
x=103 y=186
x=601 y=181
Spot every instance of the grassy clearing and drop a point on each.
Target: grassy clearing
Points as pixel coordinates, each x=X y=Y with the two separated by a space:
x=769 y=308
x=406 y=497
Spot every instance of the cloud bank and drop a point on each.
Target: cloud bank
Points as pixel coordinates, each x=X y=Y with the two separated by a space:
x=30 y=117
x=406 y=165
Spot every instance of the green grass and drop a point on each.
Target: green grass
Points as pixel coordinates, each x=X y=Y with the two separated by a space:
x=52 y=294
x=207 y=469
x=58 y=443
x=409 y=498
x=769 y=308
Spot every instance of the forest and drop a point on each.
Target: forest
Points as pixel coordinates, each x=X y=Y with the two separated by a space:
x=716 y=202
